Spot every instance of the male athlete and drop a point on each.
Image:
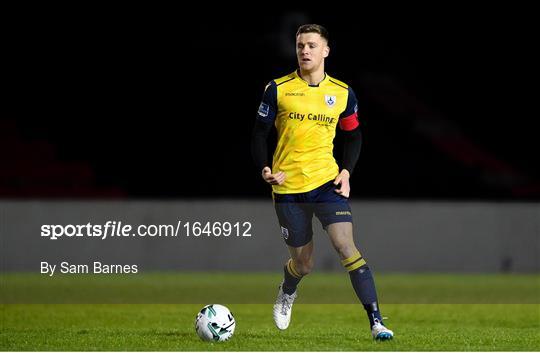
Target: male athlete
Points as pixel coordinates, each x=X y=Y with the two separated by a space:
x=306 y=106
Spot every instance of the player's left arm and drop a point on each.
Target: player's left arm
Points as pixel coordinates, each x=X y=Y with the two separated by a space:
x=350 y=125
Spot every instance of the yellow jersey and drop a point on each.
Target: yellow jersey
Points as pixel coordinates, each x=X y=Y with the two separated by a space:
x=306 y=117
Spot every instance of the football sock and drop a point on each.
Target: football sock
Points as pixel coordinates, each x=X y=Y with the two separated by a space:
x=292 y=278
x=364 y=285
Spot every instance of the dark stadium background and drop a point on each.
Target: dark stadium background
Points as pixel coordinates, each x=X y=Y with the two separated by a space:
x=149 y=107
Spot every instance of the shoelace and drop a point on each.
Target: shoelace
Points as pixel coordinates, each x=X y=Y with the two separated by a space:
x=378 y=325
x=286 y=304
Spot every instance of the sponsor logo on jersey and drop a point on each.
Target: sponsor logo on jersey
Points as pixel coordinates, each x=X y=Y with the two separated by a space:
x=321 y=118
x=295 y=94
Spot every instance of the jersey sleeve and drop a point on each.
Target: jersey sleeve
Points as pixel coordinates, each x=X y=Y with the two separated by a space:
x=348 y=120
x=268 y=107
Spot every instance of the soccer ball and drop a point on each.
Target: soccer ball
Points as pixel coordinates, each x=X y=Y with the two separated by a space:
x=215 y=323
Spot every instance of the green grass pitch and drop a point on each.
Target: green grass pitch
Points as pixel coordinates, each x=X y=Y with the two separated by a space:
x=314 y=327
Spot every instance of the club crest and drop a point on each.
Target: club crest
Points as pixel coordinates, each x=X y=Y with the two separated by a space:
x=285 y=232
x=330 y=100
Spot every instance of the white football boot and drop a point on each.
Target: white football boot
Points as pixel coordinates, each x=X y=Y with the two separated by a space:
x=283 y=309
x=381 y=333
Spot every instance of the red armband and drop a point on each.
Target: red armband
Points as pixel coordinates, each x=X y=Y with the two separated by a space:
x=349 y=123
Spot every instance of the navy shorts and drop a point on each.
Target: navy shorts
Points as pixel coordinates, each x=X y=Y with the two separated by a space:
x=295 y=212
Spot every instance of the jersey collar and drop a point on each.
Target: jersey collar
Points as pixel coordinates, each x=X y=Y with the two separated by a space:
x=317 y=85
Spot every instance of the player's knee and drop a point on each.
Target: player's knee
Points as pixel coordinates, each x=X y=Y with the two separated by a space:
x=304 y=266
x=346 y=250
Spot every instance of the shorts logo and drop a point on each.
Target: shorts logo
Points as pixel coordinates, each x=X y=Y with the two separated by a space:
x=264 y=109
x=330 y=100
x=343 y=213
x=285 y=232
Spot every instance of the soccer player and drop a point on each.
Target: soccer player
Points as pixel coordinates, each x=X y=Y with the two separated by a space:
x=306 y=106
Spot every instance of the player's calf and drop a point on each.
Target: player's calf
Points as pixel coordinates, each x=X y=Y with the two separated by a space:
x=364 y=287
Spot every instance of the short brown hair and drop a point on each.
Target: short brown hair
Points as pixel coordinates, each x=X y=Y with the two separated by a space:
x=313 y=28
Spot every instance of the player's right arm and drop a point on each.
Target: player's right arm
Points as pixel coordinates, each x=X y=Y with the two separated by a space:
x=266 y=115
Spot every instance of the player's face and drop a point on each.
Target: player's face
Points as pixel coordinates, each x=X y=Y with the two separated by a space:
x=311 y=49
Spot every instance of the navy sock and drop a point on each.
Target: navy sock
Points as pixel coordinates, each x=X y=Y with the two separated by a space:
x=291 y=280
x=364 y=286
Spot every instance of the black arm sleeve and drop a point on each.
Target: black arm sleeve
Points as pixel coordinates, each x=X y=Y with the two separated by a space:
x=352 y=147
x=259 y=145
x=266 y=116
